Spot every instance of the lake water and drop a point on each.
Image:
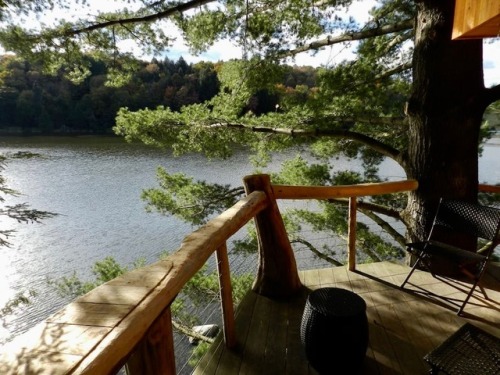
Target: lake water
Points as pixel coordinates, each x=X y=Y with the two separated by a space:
x=95 y=183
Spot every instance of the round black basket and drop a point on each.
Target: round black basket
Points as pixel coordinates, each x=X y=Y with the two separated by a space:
x=334 y=330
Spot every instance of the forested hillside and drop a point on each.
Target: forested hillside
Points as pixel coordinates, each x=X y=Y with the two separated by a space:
x=34 y=103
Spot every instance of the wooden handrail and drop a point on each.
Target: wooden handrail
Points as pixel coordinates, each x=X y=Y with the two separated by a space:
x=342 y=191
x=195 y=250
x=484 y=188
x=345 y=191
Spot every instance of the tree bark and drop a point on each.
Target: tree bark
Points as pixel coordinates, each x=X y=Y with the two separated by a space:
x=445 y=112
x=277 y=274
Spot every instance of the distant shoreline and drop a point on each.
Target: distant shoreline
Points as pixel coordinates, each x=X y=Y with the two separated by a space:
x=16 y=133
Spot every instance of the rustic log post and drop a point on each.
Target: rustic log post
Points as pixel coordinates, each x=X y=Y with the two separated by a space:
x=351 y=242
x=226 y=295
x=155 y=353
x=277 y=275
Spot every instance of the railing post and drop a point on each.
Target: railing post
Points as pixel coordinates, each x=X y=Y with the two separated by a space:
x=277 y=275
x=155 y=353
x=351 y=242
x=226 y=295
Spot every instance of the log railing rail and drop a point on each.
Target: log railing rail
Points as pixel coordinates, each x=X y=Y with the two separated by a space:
x=346 y=191
x=128 y=320
x=489 y=188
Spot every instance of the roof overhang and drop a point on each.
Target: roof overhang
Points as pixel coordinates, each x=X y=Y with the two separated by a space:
x=476 y=19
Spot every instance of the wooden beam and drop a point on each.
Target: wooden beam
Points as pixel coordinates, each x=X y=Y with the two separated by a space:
x=342 y=191
x=476 y=19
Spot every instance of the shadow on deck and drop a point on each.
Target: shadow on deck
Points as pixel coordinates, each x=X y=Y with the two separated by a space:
x=404 y=325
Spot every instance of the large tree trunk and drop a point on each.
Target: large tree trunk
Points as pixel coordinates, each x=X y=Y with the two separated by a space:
x=445 y=111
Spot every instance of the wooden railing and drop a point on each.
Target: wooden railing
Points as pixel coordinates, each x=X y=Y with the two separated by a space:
x=127 y=321
x=489 y=188
x=346 y=191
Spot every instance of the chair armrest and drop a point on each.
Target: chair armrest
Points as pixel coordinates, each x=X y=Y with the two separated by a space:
x=436 y=247
x=416 y=245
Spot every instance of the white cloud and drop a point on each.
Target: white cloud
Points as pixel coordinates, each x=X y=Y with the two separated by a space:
x=491 y=62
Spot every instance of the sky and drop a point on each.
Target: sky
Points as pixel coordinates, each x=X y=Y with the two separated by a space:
x=226 y=50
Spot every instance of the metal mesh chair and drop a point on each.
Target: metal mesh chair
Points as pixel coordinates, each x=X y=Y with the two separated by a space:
x=463 y=237
x=469 y=351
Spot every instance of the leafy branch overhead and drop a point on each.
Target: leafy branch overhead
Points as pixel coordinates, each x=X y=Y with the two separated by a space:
x=274 y=28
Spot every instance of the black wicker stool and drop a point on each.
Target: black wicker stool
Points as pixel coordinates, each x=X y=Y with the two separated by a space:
x=334 y=330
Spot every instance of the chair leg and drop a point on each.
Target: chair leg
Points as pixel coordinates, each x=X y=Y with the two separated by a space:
x=483 y=291
x=477 y=278
x=461 y=309
x=417 y=262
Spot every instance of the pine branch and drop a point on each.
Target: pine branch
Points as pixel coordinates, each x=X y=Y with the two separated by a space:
x=368 y=141
x=345 y=120
x=4 y=236
x=178 y=8
x=398 y=39
x=359 y=35
x=22 y=213
x=389 y=229
x=369 y=210
x=397 y=69
x=383 y=210
x=191 y=333
x=205 y=205
x=368 y=250
x=315 y=251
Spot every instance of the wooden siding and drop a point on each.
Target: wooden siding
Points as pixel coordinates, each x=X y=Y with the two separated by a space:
x=476 y=19
x=403 y=324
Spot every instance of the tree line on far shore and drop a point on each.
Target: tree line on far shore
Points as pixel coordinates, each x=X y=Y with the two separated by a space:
x=35 y=103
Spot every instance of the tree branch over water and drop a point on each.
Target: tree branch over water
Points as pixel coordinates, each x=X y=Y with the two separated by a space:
x=316 y=252
x=368 y=141
x=347 y=37
x=19 y=212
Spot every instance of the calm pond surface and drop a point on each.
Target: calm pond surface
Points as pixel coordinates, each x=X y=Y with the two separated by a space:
x=94 y=184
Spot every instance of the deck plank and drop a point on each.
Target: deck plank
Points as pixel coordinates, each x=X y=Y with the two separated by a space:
x=257 y=336
x=230 y=360
x=312 y=279
x=380 y=344
x=275 y=352
x=296 y=362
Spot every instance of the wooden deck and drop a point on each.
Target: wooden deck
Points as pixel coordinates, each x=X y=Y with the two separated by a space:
x=403 y=324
